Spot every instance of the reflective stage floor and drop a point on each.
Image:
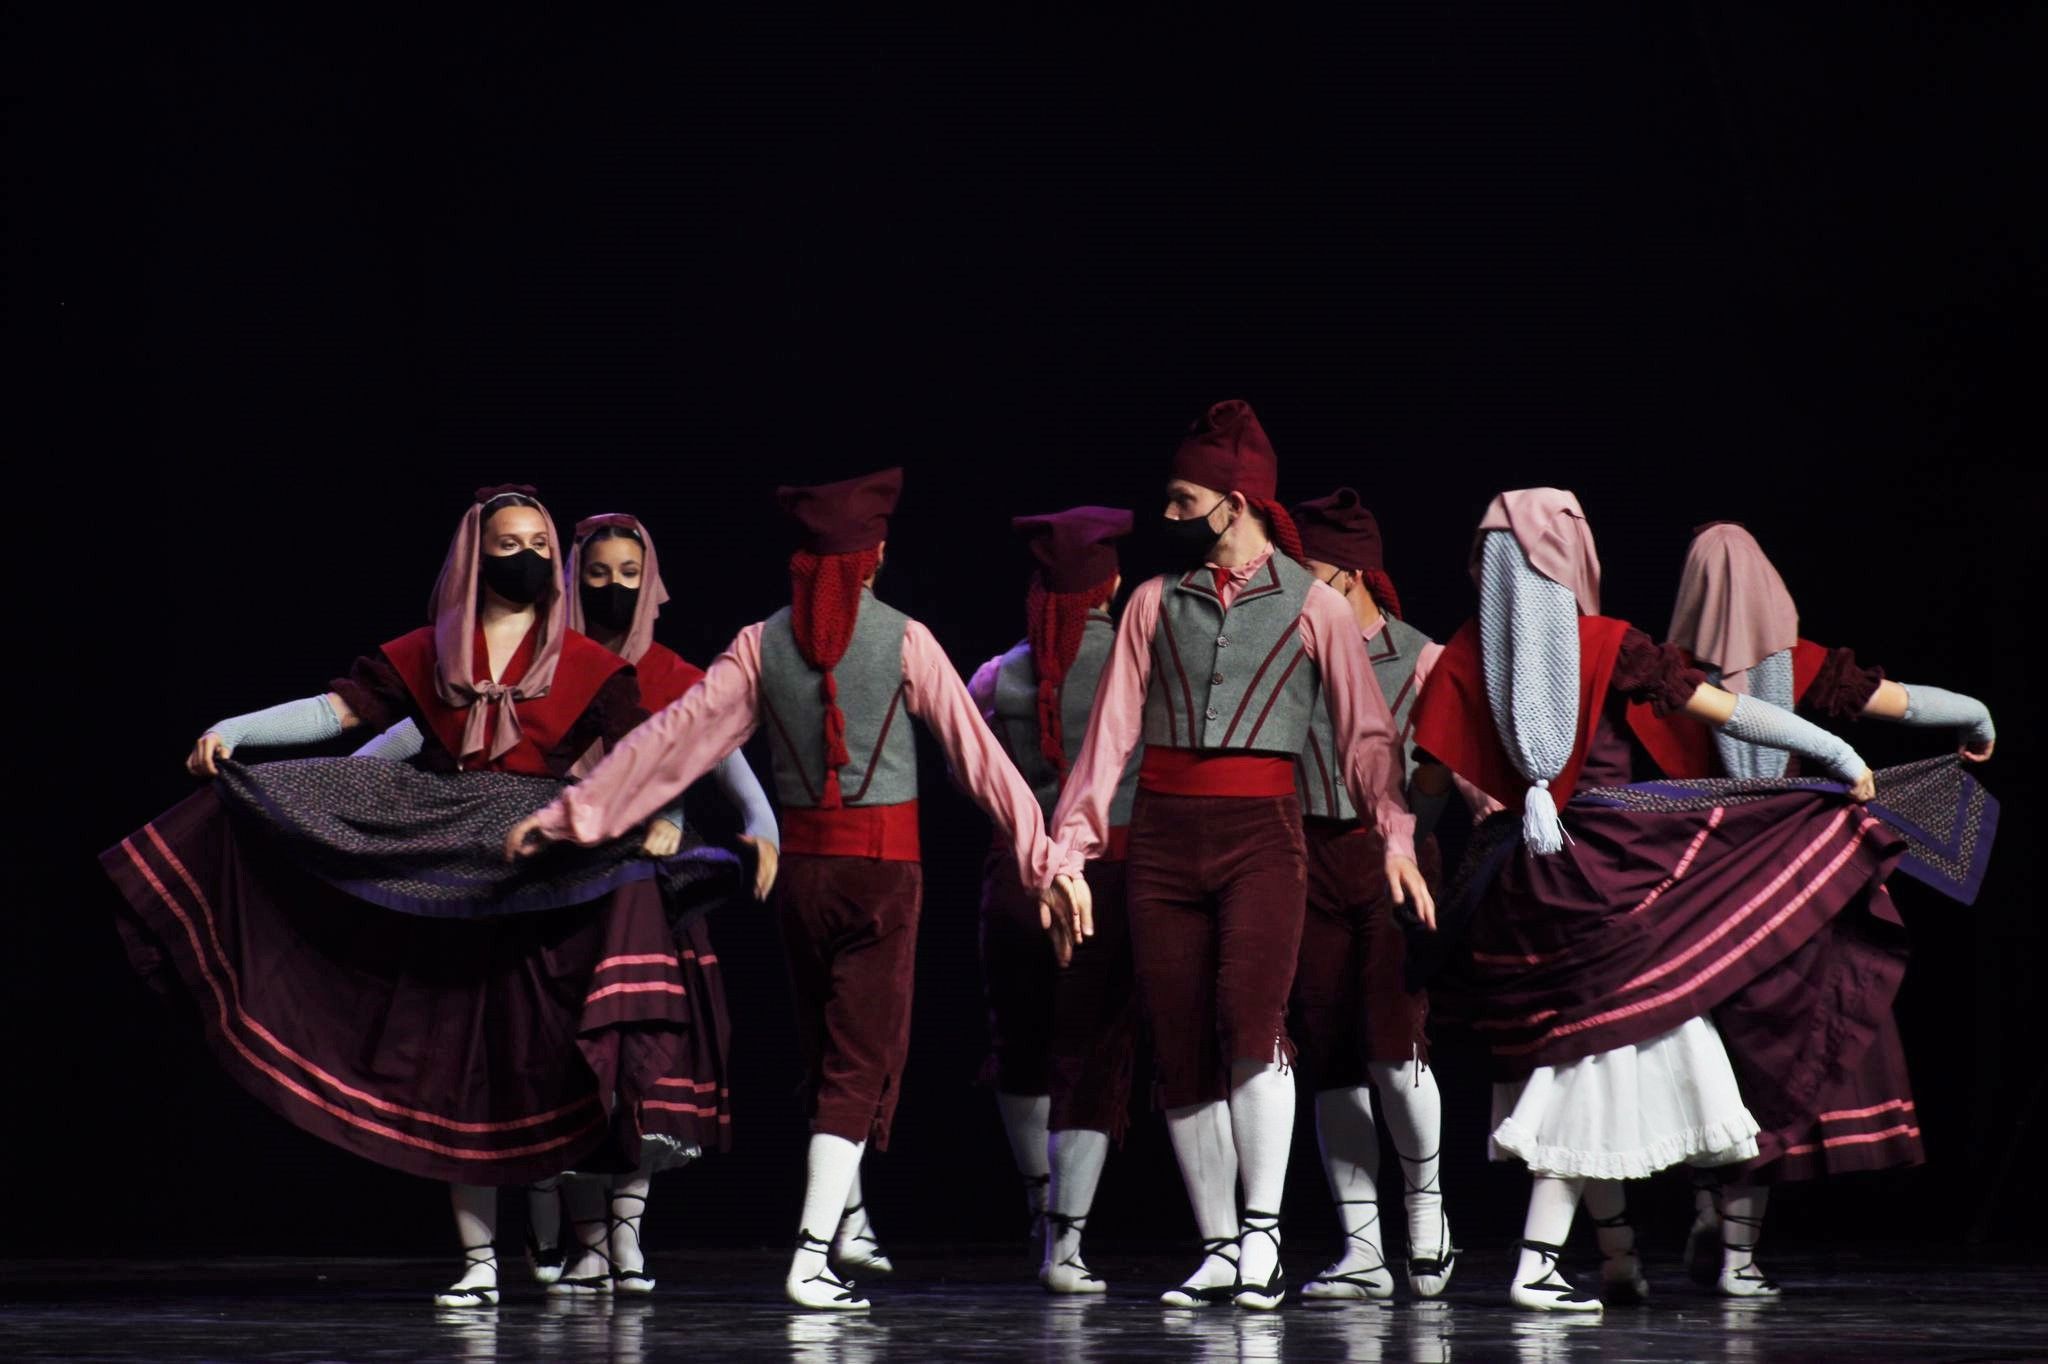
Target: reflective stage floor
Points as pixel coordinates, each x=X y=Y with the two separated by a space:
x=969 y=1304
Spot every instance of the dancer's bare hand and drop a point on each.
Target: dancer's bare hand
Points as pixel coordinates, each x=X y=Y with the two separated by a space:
x=204 y=760
x=1977 y=753
x=1865 y=788
x=1068 y=896
x=1059 y=928
x=1404 y=879
x=524 y=839
x=767 y=858
x=663 y=837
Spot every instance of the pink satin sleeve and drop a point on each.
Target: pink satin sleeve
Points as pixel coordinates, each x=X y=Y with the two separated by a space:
x=1368 y=750
x=1080 y=822
x=934 y=694
x=655 y=763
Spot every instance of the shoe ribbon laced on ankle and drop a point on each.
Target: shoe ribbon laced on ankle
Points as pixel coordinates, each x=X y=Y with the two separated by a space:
x=1062 y=1224
x=631 y=1280
x=1551 y=1282
x=1362 y=1279
x=826 y=1274
x=1762 y=1285
x=462 y=1295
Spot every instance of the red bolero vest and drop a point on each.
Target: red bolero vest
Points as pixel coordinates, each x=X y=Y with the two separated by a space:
x=1454 y=723
x=583 y=668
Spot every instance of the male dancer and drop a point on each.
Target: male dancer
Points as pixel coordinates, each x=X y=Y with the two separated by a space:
x=1217 y=667
x=1063 y=1039
x=828 y=675
x=1353 y=1016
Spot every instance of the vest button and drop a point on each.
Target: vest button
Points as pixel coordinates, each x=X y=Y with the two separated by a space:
x=1216 y=679
x=1223 y=641
x=1211 y=712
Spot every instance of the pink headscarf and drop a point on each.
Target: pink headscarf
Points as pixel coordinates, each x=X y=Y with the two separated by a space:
x=646 y=606
x=452 y=609
x=1733 y=610
x=1551 y=528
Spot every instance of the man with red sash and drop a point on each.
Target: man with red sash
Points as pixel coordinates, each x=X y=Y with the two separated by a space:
x=1219 y=668
x=834 y=678
x=1064 y=1040
x=1358 y=1024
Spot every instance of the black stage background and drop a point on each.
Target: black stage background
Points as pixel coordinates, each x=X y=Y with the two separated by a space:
x=305 y=280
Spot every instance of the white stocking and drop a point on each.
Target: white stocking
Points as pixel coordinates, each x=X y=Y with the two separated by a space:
x=1024 y=1122
x=1202 y=1142
x=1078 y=1155
x=1262 y=1125
x=1351 y=1162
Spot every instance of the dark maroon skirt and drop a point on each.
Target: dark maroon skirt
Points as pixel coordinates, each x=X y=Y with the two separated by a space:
x=484 y=1051
x=1817 y=1052
x=698 y=1095
x=1651 y=917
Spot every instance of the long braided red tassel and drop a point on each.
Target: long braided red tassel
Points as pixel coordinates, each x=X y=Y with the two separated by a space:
x=824 y=608
x=1383 y=594
x=1055 y=622
x=1281 y=527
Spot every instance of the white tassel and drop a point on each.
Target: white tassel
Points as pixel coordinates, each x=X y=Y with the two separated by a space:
x=1541 y=831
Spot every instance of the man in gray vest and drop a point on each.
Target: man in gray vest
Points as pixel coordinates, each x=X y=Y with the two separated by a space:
x=1353 y=1017
x=1063 y=1041
x=1219 y=667
x=834 y=678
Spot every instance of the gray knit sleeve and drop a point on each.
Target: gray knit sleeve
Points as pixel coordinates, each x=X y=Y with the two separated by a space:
x=1937 y=707
x=400 y=743
x=309 y=720
x=1760 y=722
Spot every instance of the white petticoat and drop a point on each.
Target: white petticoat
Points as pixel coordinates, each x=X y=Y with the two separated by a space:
x=1628 y=1113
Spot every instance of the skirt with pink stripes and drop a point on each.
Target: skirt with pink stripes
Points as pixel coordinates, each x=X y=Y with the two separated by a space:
x=1648 y=918
x=485 y=1051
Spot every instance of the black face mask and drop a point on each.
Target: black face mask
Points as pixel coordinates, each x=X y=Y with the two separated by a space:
x=1189 y=541
x=609 y=608
x=518 y=578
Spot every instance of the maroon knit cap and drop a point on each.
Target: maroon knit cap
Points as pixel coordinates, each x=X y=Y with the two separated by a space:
x=1075 y=549
x=1226 y=449
x=1339 y=530
x=844 y=517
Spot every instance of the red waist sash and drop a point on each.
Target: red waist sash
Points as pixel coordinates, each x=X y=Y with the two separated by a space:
x=1191 y=772
x=884 y=833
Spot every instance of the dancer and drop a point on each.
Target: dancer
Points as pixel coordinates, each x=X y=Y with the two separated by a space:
x=1737 y=620
x=828 y=675
x=1600 y=940
x=1064 y=1040
x=1358 y=1025
x=1218 y=668
x=618 y=595
x=357 y=970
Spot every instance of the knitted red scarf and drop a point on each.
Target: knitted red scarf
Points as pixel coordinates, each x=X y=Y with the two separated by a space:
x=824 y=606
x=1054 y=624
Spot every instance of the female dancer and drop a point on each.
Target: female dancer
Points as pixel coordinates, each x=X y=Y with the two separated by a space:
x=359 y=970
x=1737 y=620
x=1599 y=941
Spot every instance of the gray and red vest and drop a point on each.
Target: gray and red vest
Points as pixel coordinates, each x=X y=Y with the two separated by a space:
x=882 y=771
x=1232 y=681
x=1016 y=716
x=1318 y=775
